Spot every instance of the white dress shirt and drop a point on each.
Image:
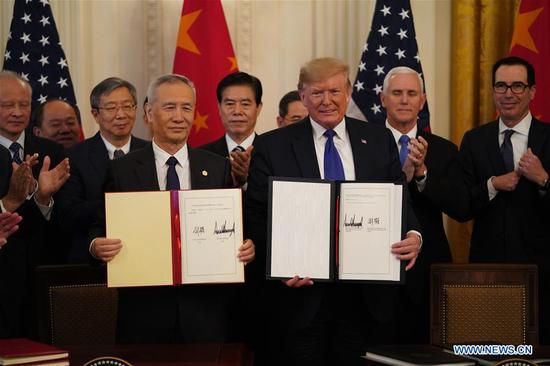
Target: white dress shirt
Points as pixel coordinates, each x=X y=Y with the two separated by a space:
x=182 y=168
x=111 y=148
x=245 y=144
x=342 y=144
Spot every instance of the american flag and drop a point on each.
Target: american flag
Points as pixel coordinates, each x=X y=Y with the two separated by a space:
x=391 y=43
x=34 y=51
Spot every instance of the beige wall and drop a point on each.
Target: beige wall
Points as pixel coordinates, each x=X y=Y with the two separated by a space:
x=271 y=39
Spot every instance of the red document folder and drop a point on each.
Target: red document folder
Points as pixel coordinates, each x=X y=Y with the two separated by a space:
x=19 y=351
x=175 y=237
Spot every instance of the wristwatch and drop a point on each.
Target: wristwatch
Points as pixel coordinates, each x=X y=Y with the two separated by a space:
x=545 y=186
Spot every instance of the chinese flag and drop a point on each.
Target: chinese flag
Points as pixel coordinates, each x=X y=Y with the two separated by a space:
x=205 y=55
x=531 y=41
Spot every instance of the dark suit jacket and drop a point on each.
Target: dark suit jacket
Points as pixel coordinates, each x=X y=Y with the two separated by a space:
x=80 y=198
x=25 y=249
x=290 y=152
x=170 y=313
x=5 y=170
x=444 y=192
x=219 y=146
x=513 y=226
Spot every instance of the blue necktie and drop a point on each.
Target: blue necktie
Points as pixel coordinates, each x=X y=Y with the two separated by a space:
x=507 y=151
x=172 y=180
x=333 y=164
x=15 y=148
x=404 y=142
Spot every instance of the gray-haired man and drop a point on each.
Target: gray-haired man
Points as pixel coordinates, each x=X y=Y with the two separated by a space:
x=114 y=105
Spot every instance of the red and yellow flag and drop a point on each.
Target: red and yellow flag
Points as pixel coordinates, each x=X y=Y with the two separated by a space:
x=531 y=41
x=204 y=54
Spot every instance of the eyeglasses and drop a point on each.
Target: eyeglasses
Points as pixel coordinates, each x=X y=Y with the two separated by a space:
x=516 y=87
x=126 y=108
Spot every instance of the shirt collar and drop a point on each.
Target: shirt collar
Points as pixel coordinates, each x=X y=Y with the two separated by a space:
x=111 y=148
x=245 y=144
x=397 y=134
x=319 y=130
x=161 y=155
x=522 y=127
x=6 y=142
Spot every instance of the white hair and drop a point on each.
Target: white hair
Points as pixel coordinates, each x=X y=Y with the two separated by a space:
x=167 y=79
x=402 y=70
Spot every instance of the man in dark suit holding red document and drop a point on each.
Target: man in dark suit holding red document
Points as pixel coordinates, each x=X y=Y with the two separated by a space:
x=169 y=314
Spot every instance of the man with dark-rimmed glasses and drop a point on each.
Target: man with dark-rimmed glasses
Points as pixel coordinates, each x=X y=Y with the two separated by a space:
x=114 y=104
x=506 y=168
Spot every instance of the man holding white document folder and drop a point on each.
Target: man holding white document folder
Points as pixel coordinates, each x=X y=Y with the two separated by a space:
x=324 y=323
x=170 y=314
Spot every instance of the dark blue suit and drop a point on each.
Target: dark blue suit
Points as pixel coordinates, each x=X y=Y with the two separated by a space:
x=5 y=170
x=513 y=226
x=30 y=246
x=444 y=192
x=290 y=152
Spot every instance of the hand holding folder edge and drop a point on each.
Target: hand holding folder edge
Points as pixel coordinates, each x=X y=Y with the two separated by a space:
x=106 y=249
x=406 y=249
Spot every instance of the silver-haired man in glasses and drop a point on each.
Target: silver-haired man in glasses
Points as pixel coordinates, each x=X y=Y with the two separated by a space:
x=114 y=104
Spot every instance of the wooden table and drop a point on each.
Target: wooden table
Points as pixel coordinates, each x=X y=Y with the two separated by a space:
x=203 y=354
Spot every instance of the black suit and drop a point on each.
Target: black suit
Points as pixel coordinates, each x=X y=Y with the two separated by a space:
x=218 y=147
x=513 y=226
x=80 y=198
x=25 y=249
x=5 y=170
x=444 y=192
x=171 y=313
x=290 y=152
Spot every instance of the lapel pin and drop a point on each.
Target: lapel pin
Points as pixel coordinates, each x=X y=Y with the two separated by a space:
x=204 y=173
x=363 y=141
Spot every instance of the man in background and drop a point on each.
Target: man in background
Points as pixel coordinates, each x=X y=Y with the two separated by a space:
x=31 y=195
x=114 y=104
x=57 y=120
x=291 y=109
x=506 y=166
x=434 y=179
x=239 y=103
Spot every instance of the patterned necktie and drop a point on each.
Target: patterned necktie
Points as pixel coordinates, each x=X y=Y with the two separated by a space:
x=238 y=148
x=333 y=164
x=404 y=142
x=118 y=153
x=507 y=151
x=15 y=148
x=172 y=180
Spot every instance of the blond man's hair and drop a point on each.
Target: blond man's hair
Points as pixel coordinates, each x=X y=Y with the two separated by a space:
x=320 y=69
